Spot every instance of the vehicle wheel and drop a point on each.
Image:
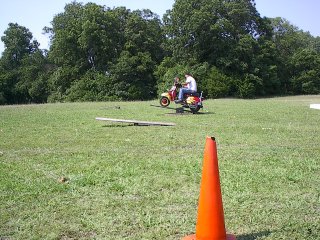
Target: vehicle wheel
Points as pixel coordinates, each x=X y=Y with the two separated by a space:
x=194 y=109
x=164 y=101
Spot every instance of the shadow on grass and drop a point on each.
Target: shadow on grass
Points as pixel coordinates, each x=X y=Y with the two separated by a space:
x=185 y=111
x=117 y=126
x=254 y=236
x=130 y=125
x=157 y=106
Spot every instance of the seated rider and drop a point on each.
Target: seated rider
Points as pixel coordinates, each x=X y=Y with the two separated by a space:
x=190 y=86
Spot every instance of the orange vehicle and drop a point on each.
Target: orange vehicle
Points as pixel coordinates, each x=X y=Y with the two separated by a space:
x=190 y=100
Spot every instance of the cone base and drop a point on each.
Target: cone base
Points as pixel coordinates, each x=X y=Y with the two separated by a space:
x=193 y=237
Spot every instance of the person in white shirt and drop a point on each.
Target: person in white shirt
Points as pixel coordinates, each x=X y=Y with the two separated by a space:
x=190 y=86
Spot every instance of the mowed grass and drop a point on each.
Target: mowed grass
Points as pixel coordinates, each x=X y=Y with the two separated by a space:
x=65 y=175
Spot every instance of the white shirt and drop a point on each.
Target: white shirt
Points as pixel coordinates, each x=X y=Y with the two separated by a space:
x=192 y=85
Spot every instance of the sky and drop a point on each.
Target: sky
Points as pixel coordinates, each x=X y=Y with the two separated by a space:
x=36 y=14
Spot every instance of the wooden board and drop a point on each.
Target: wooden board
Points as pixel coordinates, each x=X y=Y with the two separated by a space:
x=135 y=122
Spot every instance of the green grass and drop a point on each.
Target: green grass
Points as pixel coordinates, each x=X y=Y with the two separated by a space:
x=134 y=182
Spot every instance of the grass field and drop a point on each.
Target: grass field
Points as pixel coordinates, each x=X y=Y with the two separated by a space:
x=65 y=175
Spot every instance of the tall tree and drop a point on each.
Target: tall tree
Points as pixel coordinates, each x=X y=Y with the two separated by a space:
x=305 y=75
x=133 y=71
x=17 y=43
x=64 y=35
x=21 y=67
x=225 y=34
x=290 y=42
x=82 y=38
x=100 y=40
x=209 y=30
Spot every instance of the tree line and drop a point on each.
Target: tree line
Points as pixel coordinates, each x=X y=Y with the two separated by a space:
x=99 y=53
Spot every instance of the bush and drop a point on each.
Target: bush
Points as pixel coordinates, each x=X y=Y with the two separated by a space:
x=307 y=82
x=249 y=87
x=3 y=99
x=60 y=81
x=93 y=86
x=216 y=84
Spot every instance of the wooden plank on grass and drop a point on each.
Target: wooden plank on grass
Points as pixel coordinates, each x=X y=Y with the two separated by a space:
x=135 y=122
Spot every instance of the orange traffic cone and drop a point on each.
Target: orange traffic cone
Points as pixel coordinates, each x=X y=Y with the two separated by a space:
x=210 y=222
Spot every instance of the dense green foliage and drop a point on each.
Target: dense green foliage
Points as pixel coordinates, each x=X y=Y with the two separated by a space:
x=98 y=53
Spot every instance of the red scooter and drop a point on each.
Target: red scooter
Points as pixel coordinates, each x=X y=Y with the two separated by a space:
x=190 y=100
